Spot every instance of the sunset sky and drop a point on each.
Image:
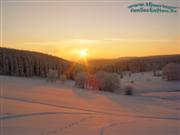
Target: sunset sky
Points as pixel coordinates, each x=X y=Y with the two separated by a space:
x=105 y=29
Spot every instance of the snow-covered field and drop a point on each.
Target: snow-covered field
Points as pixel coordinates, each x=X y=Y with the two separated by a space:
x=31 y=106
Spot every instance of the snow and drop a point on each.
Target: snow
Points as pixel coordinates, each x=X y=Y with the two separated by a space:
x=31 y=106
x=146 y=82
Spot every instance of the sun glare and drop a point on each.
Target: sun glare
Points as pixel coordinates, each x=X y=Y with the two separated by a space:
x=83 y=53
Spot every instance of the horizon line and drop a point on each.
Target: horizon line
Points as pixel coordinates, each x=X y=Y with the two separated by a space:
x=102 y=58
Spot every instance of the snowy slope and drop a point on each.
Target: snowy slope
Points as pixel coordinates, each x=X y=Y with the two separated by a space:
x=31 y=106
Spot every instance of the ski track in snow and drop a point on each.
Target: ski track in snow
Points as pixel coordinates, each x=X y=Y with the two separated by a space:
x=94 y=111
x=103 y=129
x=9 y=117
x=75 y=123
x=52 y=105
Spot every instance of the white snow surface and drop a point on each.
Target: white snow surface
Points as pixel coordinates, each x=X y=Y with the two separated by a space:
x=31 y=106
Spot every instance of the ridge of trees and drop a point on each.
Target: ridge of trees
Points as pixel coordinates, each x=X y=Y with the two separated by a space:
x=27 y=63
x=140 y=64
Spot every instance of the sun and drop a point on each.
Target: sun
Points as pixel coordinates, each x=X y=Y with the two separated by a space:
x=83 y=53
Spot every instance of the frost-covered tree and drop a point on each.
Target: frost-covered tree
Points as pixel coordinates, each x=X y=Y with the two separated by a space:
x=16 y=67
x=101 y=80
x=5 y=64
x=171 y=72
x=101 y=77
x=63 y=78
x=20 y=66
x=12 y=65
x=26 y=63
x=81 y=79
x=52 y=75
x=108 y=81
x=27 y=67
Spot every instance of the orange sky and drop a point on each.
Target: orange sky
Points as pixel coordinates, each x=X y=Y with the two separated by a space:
x=104 y=29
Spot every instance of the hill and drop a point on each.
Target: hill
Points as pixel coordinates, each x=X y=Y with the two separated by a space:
x=107 y=62
x=31 y=106
x=134 y=64
x=27 y=63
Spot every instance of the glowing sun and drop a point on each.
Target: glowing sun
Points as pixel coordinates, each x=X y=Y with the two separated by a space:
x=83 y=53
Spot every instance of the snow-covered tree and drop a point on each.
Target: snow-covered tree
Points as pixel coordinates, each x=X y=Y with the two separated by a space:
x=108 y=81
x=26 y=63
x=171 y=72
x=101 y=80
x=63 y=78
x=81 y=79
x=20 y=66
x=16 y=67
x=52 y=75
x=101 y=77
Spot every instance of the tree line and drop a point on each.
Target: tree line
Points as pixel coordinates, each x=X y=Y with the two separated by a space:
x=26 y=63
x=140 y=64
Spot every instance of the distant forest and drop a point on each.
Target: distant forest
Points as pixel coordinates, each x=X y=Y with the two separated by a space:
x=139 y=64
x=27 y=63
